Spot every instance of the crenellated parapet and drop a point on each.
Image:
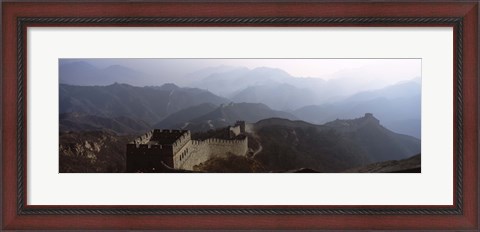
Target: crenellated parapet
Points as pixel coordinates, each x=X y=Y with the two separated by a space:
x=351 y=125
x=181 y=141
x=199 y=151
x=146 y=146
x=220 y=141
x=225 y=141
x=242 y=125
x=145 y=138
x=237 y=129
x=176 y=149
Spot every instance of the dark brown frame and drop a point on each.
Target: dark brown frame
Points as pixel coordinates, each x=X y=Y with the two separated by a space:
x=462 y=16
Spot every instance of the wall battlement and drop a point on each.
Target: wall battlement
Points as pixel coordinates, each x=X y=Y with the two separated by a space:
x=168 y=131
x=219 y=141
x=146 y=146
x=350 y=125
x=176 y=149
x=199 y=151
x=144 y=138
x=181 y=141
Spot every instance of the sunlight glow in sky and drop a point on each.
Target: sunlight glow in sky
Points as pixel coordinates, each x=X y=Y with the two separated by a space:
x=394 y=70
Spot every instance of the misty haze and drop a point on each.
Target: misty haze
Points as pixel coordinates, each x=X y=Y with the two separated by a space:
x=240 y=115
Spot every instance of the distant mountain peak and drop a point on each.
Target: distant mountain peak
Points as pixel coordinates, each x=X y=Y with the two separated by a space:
x=367 y=120
x=120 y=69
x=82 y=64
x=169 y=86
x=116 y=84
x=271 y=71
x=369 y=116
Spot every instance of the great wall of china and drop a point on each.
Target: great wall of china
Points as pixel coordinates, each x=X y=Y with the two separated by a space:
x=175 y=149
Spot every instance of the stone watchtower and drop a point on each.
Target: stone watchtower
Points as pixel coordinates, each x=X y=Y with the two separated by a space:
x=155 y=150
x=241 y=124
x=165 y=150
x=370 y=117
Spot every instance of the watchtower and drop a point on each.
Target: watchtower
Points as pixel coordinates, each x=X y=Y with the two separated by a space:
x=155 y=150
x=241 y=124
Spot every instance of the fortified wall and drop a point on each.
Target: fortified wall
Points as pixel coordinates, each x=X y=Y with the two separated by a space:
x=351 y=125
x=154 y=150
x=159 y=150
x=201 y=151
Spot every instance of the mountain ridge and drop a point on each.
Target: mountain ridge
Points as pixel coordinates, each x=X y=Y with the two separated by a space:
x=397 y=106
x=227 y=114
x=75 y=121
x=150 y=104
x=331 y=147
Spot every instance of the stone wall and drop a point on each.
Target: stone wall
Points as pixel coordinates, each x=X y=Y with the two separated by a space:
x=198 y=152
x=181 y=142
x=201 y=151
x=183 y=153
x=220 y=147
x=145 y=138
x=234 y=131
x=147 y=157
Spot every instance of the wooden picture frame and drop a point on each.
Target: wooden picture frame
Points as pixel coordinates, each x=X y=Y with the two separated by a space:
x=462 y=16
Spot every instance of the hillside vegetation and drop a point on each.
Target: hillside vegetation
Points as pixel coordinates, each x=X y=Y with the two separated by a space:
x=94 y=151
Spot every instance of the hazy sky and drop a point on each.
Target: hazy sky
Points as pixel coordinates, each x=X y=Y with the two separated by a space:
x=392 y=69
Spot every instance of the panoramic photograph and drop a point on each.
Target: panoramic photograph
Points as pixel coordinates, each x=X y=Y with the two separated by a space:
x=239 y=115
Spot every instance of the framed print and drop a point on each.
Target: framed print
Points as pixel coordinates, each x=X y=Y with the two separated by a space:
x=258 y=115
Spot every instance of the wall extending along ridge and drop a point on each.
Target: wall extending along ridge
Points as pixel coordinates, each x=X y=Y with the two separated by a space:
x=176 y=149
x=201 y=151
x=198 y=152
x=220 y=147
x=179 y=144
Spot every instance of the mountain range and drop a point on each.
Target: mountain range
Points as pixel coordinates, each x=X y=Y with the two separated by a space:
x=222 y=116
x=333 y=147
x=397 y=106
x=149 y=104
x=315 y=100
x=119 y=125
x=240 y=84
x=84 y=73
x=262 y=84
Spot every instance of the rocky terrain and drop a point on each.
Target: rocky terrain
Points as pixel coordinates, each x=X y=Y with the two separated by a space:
x=231 y=164
x=409 y=165
x=93 y=151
